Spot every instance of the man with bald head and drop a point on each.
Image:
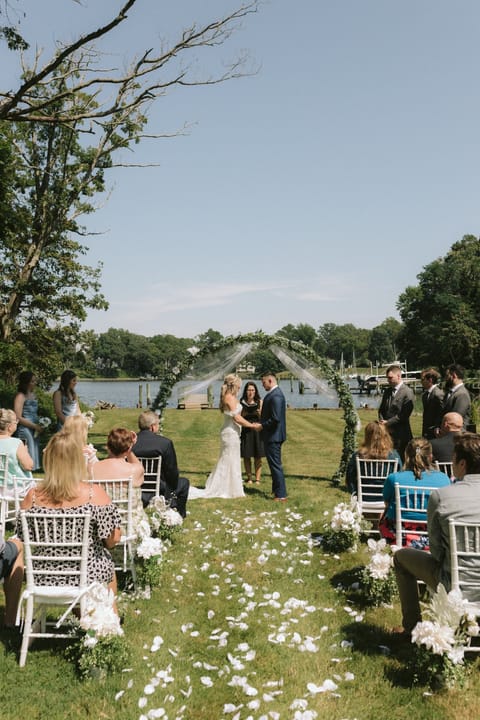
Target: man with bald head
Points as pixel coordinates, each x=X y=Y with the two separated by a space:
x=442 y=447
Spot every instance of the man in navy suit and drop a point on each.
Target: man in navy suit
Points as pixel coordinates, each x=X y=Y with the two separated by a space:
x=273 y=428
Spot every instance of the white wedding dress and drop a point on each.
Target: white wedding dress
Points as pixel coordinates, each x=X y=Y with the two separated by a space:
x=225 y=481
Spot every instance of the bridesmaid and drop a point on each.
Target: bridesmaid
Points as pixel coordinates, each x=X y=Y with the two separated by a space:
x=25 y=405
x=65 y=399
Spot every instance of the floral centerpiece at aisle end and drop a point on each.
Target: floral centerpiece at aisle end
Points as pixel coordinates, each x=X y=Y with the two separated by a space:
x=439 y=655
x=343 y=530
x=377 y=582
x=101 y=648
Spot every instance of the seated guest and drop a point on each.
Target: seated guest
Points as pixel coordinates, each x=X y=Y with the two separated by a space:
x=377 y=445
x=461 y=501
x=442 y=446
x=150 y=444
x=78 y=426
x=418 y=471
x=20 y=463
x=64 y=489
x=121 y=463
x=11 y=570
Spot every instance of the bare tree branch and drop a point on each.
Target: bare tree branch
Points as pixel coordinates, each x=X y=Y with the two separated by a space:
x=141 y=82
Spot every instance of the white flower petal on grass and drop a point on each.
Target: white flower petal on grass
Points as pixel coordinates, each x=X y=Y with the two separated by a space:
x=142 y=702
x=349 y=676
x=253 y=704
x=327 y=686
x=231 y=708
x=156 y=713
x=149 y=689
x=210 y=614
x=299 y=704
x=206 y=681
x=119 y=694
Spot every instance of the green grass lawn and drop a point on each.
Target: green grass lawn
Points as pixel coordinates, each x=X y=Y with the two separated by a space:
x=251 y=615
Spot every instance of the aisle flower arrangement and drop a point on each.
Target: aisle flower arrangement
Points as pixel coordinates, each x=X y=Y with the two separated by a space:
x=165 y=522
x=101 y=648
x=148 y=556
x=377 y=583
x=343 y=530
x=439 y=655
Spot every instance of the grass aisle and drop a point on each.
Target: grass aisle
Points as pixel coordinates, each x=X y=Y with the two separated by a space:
x=248 y=622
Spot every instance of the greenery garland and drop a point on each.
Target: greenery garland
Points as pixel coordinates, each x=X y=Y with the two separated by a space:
x=263 y=341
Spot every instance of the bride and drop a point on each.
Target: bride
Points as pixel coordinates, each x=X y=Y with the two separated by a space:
x=225 y=481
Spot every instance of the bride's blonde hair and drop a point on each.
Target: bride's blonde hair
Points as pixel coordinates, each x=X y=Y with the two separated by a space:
x=231 y=384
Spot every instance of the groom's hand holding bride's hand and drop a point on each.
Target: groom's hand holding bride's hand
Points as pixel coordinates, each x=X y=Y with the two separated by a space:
x=257 y=426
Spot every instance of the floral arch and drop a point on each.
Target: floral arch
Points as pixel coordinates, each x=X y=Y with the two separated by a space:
x=294 y=355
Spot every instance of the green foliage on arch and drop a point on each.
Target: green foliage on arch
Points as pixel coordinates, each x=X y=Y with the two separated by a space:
x=264 y=341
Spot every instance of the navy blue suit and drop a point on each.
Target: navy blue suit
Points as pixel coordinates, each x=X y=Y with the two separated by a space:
x=274 y=433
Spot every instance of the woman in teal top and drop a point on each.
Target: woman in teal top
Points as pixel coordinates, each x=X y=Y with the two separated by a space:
x=19 y=461
x=419 y=471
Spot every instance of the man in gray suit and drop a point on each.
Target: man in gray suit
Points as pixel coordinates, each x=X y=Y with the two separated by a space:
x=432 y=401
x=460 y=501
x=457 y=398
x=396 y=408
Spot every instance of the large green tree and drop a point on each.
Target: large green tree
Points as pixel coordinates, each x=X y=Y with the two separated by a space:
x=441 y=314
x=60 y=131
x=382 y=347
x=333 y=341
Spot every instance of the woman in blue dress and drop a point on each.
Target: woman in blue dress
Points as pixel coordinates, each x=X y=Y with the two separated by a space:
x=419 y=472
x=65 y=399
x=25 y=405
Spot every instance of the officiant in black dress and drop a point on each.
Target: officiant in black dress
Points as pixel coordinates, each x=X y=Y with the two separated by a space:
x=251 y=444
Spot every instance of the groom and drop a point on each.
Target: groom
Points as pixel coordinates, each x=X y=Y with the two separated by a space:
x=272 y=426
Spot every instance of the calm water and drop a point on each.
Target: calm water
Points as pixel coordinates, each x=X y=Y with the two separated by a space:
x=125 y=393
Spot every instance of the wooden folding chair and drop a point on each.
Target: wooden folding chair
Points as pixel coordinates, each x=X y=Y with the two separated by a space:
x=464 y=539
x=445 y=467
x=56 y=553
x=410 y=499
x=120 y=492
x=152 y=467
x=371 y=475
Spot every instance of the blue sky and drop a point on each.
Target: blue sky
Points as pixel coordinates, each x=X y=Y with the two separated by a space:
x=313 y=191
